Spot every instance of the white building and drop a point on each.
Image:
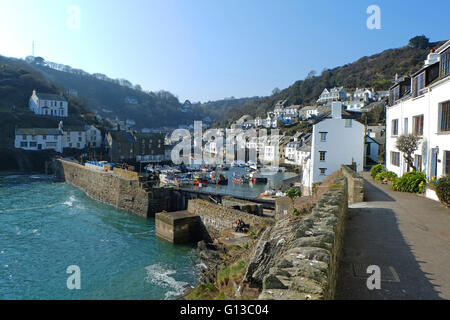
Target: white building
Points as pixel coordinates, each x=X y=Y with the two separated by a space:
x=74 y=137
x=93 y=137
x=335 y=94
x=49 y=104
x=420 y=105
x=335 y=142
x=39 y=139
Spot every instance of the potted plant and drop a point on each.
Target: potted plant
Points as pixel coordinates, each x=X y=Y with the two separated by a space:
x=429 y=188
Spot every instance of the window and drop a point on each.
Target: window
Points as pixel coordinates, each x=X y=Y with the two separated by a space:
x=405 y=126
x=323 y=136
x=348 y=123
x=44 y=137
x=395 y=158
x=395 y=127
x=79 y=139
x=418 y=125
x=322 y=155
x=33 y=144
x=24 y=137
x=418 y=162
x=418 y=84
x=24 y=144
x=445 y=116
x=323 y=171
x=78 y=145
x=445 y=64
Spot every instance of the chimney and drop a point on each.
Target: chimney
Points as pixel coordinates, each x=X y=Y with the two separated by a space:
x=336 y=110
x=34 y=92
x=432 y=58
x=60 y=125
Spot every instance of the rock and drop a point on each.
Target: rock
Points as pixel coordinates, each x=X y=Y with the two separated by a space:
x=272 y=282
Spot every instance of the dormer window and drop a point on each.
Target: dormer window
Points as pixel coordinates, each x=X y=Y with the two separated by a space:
x=445 y=64
x=418 y=84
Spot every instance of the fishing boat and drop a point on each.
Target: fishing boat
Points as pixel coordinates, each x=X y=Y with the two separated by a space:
x=200 y=179
x=239 y=179
x=256 y=177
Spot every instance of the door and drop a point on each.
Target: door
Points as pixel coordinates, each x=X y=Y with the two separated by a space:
x=433 y=166
x=39 y=146
x=447 y=163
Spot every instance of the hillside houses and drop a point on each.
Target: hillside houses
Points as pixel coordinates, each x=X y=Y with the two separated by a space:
x=334 y=94
x=47 y=104
x=420 y=105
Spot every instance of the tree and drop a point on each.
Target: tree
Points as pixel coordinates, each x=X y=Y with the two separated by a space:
x=419 y=42
x=408 y=143
x=293 y=193
x=275 y=91
x=311 y=74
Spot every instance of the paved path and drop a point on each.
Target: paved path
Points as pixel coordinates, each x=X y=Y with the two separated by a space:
x=407 y=236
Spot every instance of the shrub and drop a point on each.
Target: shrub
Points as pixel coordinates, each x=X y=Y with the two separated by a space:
x=385 y=176
x=376 y=169
x=409 y=182
x=443 y=190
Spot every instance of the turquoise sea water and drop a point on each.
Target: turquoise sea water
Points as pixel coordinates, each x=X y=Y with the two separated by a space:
x=46 y=227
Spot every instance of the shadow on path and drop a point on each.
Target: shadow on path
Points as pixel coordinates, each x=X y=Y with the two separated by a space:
x=373 y=237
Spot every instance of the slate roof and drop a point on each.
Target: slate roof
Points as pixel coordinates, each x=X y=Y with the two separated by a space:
x=39 y=131
x=50 y=96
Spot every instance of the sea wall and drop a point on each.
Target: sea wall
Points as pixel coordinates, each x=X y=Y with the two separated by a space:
x=298 y=258
x=355 y=184
x=122 y=193
x=216 y=218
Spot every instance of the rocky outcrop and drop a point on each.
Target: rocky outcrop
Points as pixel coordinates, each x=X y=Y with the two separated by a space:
x=298 y=259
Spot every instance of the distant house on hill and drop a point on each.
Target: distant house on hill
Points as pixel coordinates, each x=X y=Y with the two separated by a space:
x=39 y=139
x=335 y=94
x=47 y=104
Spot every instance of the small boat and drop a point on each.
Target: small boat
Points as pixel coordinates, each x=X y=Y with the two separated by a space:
x=255 y=178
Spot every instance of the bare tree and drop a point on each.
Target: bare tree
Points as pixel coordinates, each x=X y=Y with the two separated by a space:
x=408 y=143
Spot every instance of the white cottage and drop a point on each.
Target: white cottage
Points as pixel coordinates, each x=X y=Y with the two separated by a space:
x=47 y=104
x=420 y=104
x=37 y=139
x=335 y=142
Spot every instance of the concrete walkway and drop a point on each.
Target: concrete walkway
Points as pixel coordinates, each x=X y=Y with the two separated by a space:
x=406 y=235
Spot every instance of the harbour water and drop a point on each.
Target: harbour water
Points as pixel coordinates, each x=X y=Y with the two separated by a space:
x=47 y=226
x=246 y=190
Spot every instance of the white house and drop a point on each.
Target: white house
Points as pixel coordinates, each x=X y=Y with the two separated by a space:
x=49 y=104
x=335 y=94
x=420 y=105
x=74 y=137
x=335 y=141
x=93 y=137
x=39 y=139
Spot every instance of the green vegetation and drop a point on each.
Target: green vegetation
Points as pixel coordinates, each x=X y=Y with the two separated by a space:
x=203 y=292
x=443 y=190
x=231 y=272
x=376 y=169
x=386 y=176
x=410 y=182
x=293 y=193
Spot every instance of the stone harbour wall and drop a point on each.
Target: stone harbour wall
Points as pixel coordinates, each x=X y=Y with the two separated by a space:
x=106 y=187
x=216 y=218
x=298 y=259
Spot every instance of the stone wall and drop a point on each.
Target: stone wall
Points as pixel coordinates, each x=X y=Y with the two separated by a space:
x=215 y=217
x=106 y=187
x=126 y=174
x=355 y=184
x=298 y=259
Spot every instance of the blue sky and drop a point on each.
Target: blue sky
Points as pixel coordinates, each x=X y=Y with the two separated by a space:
x=211 y=49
